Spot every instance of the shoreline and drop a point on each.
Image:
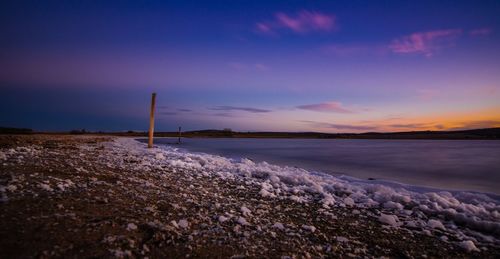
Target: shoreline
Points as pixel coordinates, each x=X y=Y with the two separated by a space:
x=373 y=180
x=124 y=200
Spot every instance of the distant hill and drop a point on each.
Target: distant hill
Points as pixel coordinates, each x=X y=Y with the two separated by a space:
x=6 y=130
x=490 y=133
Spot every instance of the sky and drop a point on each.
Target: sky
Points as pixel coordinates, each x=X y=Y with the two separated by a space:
x=324 y=66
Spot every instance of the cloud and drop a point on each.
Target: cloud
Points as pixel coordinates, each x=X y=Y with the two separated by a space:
x=303 y=22
x=478 y=124
x=264 y=28
x=480 y=32
x=168 y=113
x=171 y=110
x=235 y=108
x=410 y=125
x=339 y=126
x=425 y=43
x=223 y=114
x=335 y=107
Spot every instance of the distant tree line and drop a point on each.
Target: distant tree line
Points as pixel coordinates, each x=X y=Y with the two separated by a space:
x=7 y=130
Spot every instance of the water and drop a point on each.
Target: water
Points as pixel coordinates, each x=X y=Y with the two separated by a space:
x=446 y=164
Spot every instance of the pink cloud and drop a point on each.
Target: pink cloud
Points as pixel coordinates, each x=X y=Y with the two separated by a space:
x=335 y=107
x=426 y=43
x=480 y=32
x=264 y=28
x=339 y=126
x=302 y=22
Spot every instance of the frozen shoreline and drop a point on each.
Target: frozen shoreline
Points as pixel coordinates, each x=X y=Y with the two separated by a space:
x=126 y=200
x=339 y=175
x=444 y=165
x=467 y=215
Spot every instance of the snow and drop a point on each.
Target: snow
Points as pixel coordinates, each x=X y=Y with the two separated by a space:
x=45 y=187
x=131 y=226
x=159 y=156
x=174 y=223
x=348 y=201
x=183 y=223
x=391 y=220
x=393 y=205
x=342 y=239
x=242 y=221
x=279 y=226
x=120 y=253
x=222 y=219
x=398 y=205
x=309 y=228
x=468 y=245
x=328 y=200
x=246 y=212
x=432 y=223
x=11 y=188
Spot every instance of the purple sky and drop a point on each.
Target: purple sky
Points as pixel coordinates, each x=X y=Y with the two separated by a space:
x=325 y=66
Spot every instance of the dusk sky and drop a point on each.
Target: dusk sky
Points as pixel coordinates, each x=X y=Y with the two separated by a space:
x=328 y=66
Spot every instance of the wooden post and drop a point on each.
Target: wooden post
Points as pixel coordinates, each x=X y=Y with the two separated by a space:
x=152 y=120
x=179 y=140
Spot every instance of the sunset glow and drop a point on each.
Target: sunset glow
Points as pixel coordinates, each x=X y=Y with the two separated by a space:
x=301 y=66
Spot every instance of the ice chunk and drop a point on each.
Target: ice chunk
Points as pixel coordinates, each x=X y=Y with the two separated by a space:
x=435 y=224
x=348 y=201
x=174 y=223
x=264 y=193
x=246 y=212
x=45 y=187
x=342 y=239
x=222 y=219
x=242 y=221
x=327 y=200
x=393 y=205
x=183 y=223
x=131 y=226
x=309 y=228
x=468 y=245
x=279 y=226
x=160 y=156
x=296 y=198
x=11 y=188
x=389 y=220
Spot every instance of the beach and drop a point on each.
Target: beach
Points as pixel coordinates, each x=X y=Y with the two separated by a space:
x=106 y=196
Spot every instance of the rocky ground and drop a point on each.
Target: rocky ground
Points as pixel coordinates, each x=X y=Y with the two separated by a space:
x=78 y=196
